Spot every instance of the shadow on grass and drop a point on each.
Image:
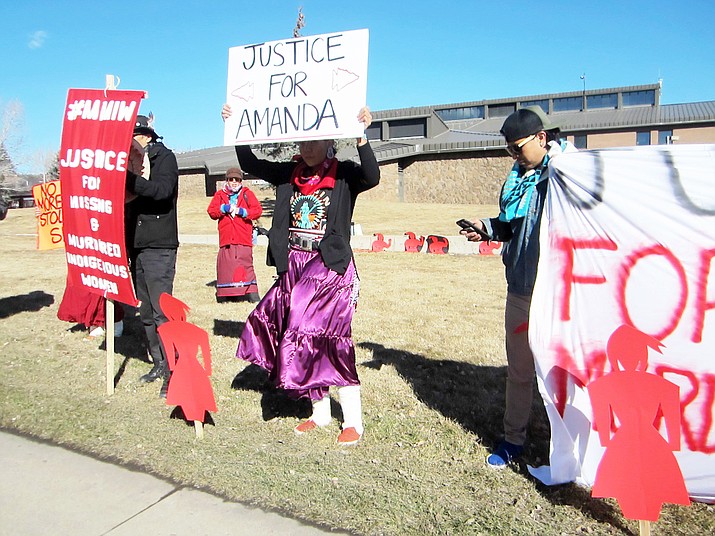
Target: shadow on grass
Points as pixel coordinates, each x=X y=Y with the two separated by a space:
x=228 y=328
x=32 y=301
x=131 y=344
x=470 y=395
x=178 y=413
x=473 y=396
x=275 y=403
x=580 y=498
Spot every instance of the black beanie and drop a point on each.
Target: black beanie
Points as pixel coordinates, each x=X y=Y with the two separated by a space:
x=525 y=122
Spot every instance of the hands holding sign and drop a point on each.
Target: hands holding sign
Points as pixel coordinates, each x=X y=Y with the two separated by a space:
x=365 y=117
x=135 y=164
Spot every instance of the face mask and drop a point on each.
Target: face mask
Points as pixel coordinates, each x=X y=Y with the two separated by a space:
x=234 y=186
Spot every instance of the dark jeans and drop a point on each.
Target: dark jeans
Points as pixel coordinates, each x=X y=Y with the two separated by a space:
x=154 y=271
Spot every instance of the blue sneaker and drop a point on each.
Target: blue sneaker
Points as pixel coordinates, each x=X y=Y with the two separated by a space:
x=504 y=454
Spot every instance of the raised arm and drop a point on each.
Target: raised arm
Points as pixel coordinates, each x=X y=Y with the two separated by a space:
x=164 y=179
x=367 y=174
x=275 y=173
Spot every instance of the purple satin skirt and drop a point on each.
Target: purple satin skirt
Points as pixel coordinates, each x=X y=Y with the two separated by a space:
x=301 y=331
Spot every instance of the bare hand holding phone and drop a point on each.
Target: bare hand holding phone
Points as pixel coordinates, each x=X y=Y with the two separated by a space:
x=472 y=228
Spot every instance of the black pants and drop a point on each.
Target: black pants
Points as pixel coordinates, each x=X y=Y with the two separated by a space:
x=153 y=271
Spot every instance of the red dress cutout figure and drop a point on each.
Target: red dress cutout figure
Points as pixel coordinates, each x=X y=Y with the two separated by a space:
x=412 y=243
x=437 y=244
x=173 y=308
x=379 y=244
x=638 y=467
x=489 y=248
x=189 y=384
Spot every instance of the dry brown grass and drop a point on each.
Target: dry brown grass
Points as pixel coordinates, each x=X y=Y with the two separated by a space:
x=374 y=217
x=428 y=332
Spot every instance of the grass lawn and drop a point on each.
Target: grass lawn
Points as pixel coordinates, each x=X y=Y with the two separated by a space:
x=429 y=339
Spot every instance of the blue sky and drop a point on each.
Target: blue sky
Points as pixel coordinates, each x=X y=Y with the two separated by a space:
x=421 y=53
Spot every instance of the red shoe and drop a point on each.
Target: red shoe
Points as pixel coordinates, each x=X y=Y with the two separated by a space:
x=305 y=426
x=348 y=437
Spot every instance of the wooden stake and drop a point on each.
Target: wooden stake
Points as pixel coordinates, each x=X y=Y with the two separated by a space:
x=643 y=527
x=109 y=343
x=199 y=427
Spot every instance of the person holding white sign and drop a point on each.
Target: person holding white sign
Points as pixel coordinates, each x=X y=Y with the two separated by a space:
x=532 y=141
x=301 y=331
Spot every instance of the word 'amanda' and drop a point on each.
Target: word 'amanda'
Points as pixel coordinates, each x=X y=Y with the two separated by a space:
x=303 y=118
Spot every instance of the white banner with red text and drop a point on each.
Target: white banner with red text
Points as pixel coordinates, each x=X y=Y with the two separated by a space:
x=627 y=237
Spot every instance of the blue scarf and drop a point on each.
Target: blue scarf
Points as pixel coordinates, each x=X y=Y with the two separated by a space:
x=518 y=188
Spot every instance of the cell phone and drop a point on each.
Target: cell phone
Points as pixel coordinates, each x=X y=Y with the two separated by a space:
x=470 y=227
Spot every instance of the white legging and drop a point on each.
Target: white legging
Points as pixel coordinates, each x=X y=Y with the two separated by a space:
x=350 y=403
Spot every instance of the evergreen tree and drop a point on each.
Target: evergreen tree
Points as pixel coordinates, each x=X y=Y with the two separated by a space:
x=7 y=168
x=53 y=172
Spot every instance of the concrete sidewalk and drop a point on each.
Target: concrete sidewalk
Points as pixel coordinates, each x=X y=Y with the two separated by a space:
x=45 y=489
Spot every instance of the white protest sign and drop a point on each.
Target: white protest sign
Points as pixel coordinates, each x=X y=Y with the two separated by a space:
x=627 y=237
x=297 y=89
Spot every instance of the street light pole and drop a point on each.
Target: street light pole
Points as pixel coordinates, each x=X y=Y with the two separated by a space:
x=583 y=105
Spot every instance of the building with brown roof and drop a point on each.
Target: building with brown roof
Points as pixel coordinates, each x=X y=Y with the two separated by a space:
x=453 y=153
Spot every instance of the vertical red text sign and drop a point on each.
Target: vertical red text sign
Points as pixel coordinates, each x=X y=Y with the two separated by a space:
x=96 y=135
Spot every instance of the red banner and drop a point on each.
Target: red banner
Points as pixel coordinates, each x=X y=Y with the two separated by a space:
x=96 y=135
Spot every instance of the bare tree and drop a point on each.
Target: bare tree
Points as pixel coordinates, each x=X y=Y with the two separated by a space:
x=11 y=128
x=12 y=123
x=47 y=162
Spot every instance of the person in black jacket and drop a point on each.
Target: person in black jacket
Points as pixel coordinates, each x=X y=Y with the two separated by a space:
x=301 y=331
x=153 y=238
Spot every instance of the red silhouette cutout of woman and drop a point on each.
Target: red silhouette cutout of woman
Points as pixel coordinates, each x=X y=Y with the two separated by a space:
x=189 y=386
x=638 y=467
x=173 y=308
